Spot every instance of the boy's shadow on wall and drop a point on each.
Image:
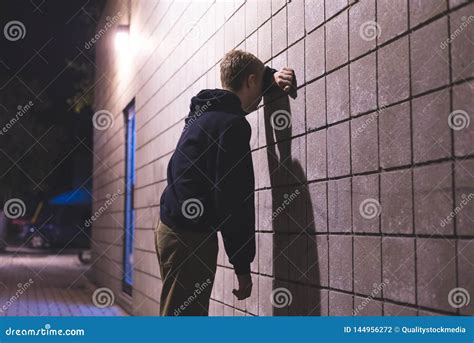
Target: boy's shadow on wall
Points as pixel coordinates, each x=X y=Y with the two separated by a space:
x=294 y=242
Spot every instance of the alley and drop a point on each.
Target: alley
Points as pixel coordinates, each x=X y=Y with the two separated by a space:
x=33 y=284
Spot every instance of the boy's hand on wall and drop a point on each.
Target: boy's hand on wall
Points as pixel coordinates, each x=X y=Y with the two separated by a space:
x=245 y=287
x=286 y=80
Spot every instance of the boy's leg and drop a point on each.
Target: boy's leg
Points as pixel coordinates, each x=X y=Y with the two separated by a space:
x=188 y=262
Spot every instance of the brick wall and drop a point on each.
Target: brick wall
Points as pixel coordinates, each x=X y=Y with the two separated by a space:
x=363 y=179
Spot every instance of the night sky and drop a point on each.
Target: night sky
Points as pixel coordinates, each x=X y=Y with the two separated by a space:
x=47 y=149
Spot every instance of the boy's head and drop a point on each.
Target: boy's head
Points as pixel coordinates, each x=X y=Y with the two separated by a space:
x=242 y=74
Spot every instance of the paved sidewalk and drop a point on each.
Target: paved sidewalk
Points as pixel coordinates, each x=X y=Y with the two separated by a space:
x=58 y=287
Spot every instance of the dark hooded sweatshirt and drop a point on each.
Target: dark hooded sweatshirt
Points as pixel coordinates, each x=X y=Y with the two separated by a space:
x=210 y=175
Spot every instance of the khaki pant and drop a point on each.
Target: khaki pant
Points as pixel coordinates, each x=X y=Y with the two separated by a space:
x=188 y=262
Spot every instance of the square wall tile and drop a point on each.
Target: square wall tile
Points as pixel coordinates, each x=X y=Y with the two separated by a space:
x=462 y=48
x=340 y=304
x=398 y=256
x=337 y=84
x=338 y=150
x=463 y=103
x=436 y=272
x=316 y=104
x=364 y=144
x=433 y=199
x=395 y=136
x=340 y=262
x=464 y=196
x=339 y=205
x=431 y=132
x=317 y=210
x=421 y=11
x=279 y=32
x=336 y=41
x=334 y=6
x=363 y=85
x=393 y=72
x=315 y=55
x=366 y=207
x=465 y=256
x=298 y=258
x=296 y=61
x=392 y=17
x=396 y=202
x=363 y=29
x=314 y=14
x=316 y=154
x=318 y=271
x=367 y=264
x=429 y=61
x=296 y=18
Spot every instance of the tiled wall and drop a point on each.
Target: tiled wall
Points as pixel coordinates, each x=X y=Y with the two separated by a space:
x=370 y=130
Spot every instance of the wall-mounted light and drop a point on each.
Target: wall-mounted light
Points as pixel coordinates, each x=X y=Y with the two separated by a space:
x=122 y=37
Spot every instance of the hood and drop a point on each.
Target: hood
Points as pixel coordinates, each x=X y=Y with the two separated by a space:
x=215 y=100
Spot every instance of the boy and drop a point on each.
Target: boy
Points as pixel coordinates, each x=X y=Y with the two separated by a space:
x=211 y=187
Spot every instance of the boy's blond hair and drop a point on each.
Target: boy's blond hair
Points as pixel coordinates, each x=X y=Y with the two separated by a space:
x=236 y=66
